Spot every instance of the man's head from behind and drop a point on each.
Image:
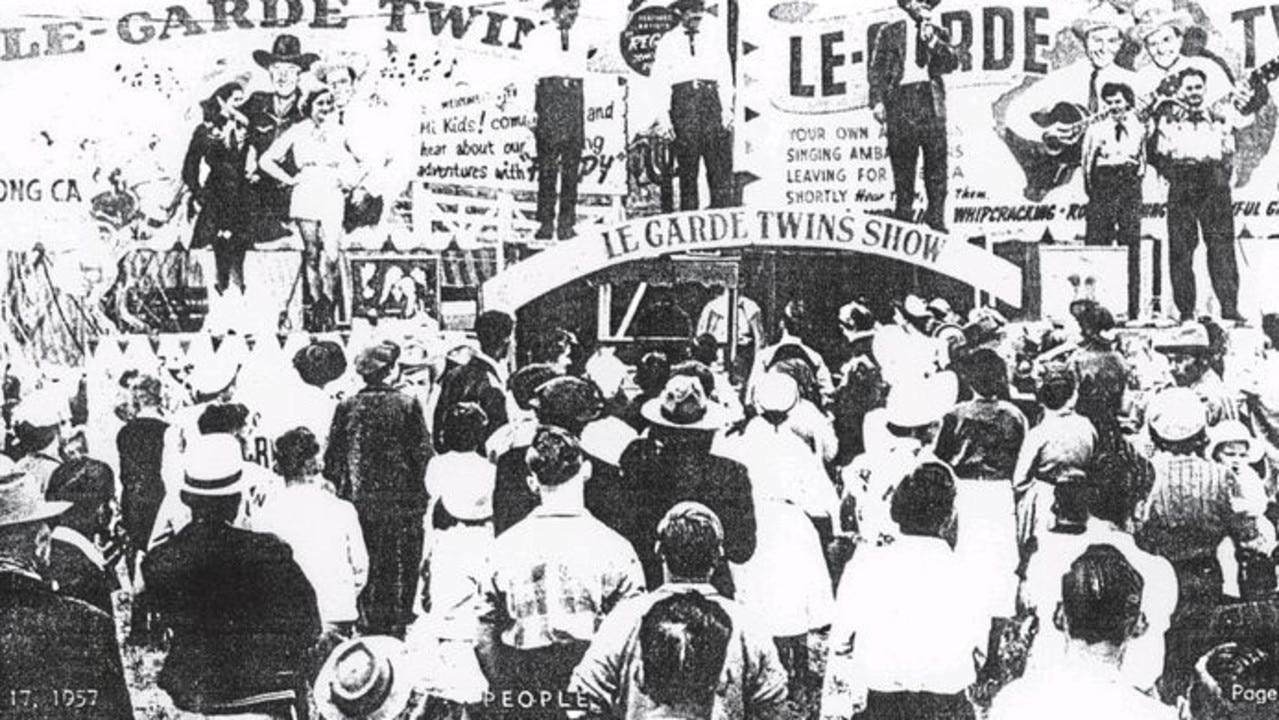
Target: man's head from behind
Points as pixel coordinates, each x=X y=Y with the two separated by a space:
x=924 y=503
x=683 y=643
x=25 y=515
x=690 y=541
x=1234 y=682
x=554 y=459
x=1101 y=599
x=493 y=331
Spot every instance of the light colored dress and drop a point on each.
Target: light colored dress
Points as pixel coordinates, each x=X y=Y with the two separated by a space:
x=786 y=580
x=325 y=165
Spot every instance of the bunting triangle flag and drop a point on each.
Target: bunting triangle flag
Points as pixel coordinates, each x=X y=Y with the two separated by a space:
x=93 y=345
x=281 y=338
x=123 y=344
x=185 y=344
x=748 y=48
x=217 y=341
x=154 y=340
x=751 y=114
x=251 y=341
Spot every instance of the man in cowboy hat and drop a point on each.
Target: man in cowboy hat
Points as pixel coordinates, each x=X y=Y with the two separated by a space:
x=270 y=114
x=692 y=60
x=674 y=463
x=241 y=612
x=1031 y=121
x=1189 y=353
x=50 y=641
x=909 y=61
x=376 y=457
x=559 y=52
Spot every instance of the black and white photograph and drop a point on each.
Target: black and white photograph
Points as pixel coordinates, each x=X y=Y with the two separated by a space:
x=639 y=360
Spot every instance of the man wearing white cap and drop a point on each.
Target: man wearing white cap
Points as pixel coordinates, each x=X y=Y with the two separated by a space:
x=1052 y=114
x=38 y=424
x=49 y=642
x=242 y=614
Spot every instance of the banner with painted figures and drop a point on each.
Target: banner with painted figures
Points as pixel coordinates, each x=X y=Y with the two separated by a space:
x=1012 y=119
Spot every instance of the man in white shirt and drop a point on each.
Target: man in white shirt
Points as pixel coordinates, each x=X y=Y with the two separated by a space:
x=1050 y=116
x=1100 y=614
x=692 y=59
x=908 y=617
x=561 y=57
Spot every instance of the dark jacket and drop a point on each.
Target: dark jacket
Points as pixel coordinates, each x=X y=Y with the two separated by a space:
x=141 y=446
x=265 y=126
x=475 y=381
x=886 y=70
x=60 y=658
x=78 y=575
x=377 y=453
x=659 y=473
x=221 y=195
x=242 y=614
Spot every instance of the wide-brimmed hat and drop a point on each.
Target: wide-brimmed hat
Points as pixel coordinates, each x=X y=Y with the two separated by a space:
x=42 y=409
x=1152 y=15
x=287 y=49
x=213 y=375
x=1176 y=414
x=22 y=500
x=922 y=402
x=1192 y=337
x=357 y=65
x=364 y=678
x=1101 y=16
x=915 y=307
x=1231 y=431
x=320 y=363
x=213 y=466
x=683 y=405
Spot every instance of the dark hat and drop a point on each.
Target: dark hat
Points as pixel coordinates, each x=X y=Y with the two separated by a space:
x=683 y=404
x=82 y=481
x=526 y=381
x=320 y=362
x=568 y=402
x=287 y=49
x=378 y=359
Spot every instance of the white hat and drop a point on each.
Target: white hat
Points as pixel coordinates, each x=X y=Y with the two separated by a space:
x=776 y=392
x=1177 y=414
x=1154 y=14
x=923 y=402
x=1229 y=431
x=1100 y=16
x=214 y=465
x=43 y=408
x=213 y=375
x=22 y=500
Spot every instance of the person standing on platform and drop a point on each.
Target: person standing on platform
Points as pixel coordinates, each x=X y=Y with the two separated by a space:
x=908 y=95
x=269 y=115
x=326 y=169
x=1114 y=162
x=376 y=457
x=561 y=54
x=1194 y=151
x=692 y=60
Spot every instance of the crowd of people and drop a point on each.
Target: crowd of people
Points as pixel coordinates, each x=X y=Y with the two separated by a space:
x=954 y=518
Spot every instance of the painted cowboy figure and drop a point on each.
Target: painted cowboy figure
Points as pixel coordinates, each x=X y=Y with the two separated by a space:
x=270 y=114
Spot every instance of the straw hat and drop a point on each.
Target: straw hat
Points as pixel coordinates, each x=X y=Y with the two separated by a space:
x=1177 y=414
x=364 y=679
x=214 y=466
x=22 y=500
x=683 y=405
x=1101 y=16
x=1151 y=15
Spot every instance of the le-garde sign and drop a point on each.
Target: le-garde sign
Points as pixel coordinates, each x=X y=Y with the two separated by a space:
x=846 y=231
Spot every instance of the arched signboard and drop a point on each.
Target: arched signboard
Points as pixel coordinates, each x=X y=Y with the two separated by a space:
x=732 y=229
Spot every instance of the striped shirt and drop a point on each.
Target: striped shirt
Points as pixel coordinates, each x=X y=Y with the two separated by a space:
x=555 y=575
x=1189 y=511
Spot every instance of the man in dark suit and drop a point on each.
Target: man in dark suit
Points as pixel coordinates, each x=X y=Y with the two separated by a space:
x=243 y=616
x=269 y=115
x=79 y=566
x=908 y=94
x=60 y=658
x=376 y=457
x=481 y=377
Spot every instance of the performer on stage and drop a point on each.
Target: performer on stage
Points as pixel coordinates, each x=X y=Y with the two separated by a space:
x=692 y=60
x=1046 y=122
x=560 y=53
x=219 y=143
x=371 y=130
x=326 y=168
x=1114 y=160
x=269 y=115
x=1194 y=151
x=908 y=94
